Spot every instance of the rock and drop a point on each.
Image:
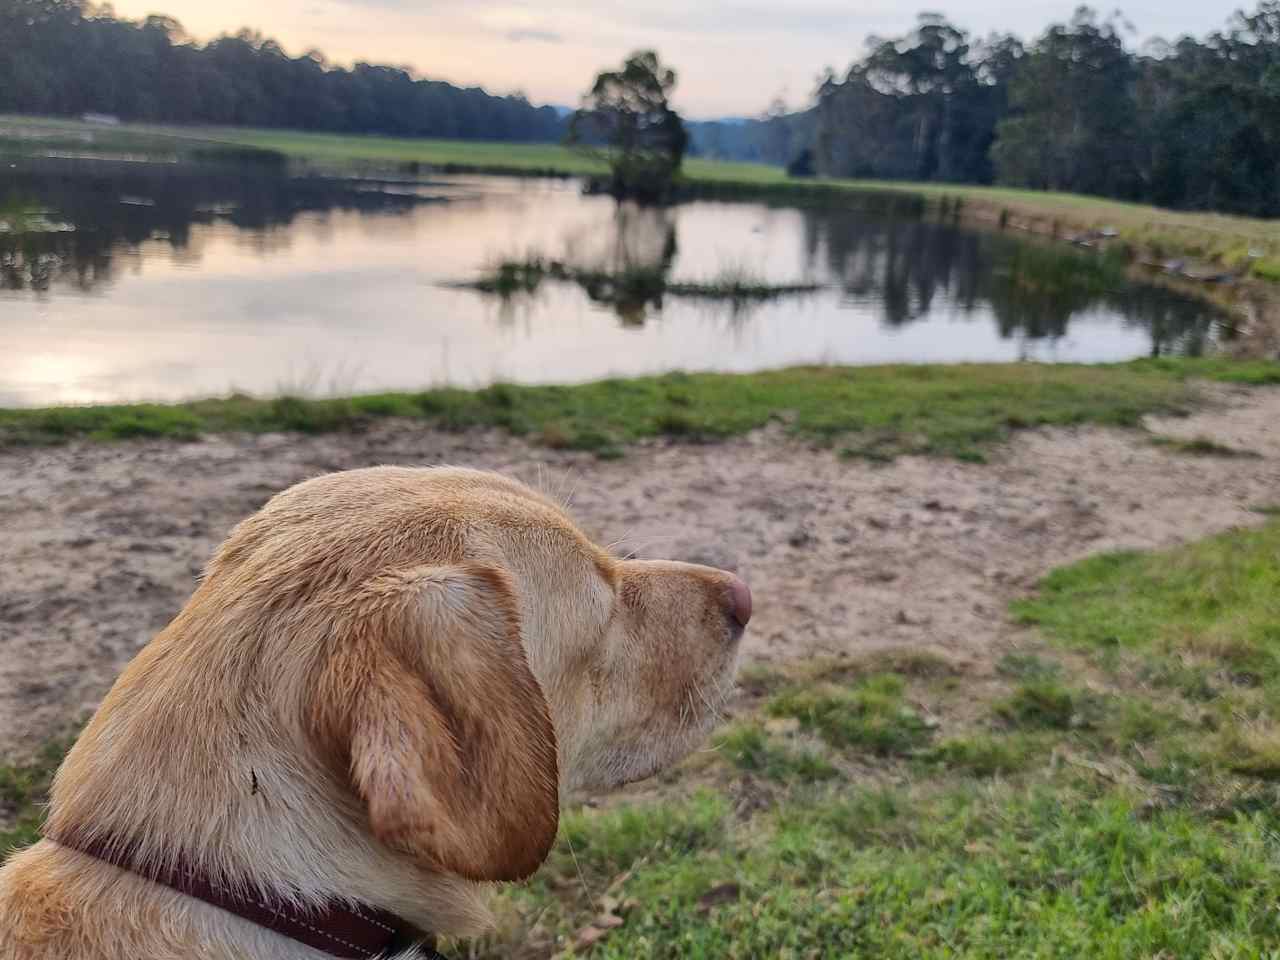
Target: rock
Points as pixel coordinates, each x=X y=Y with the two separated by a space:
x=800 y=537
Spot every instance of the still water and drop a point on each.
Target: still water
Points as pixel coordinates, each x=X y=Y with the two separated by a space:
x=147 y=281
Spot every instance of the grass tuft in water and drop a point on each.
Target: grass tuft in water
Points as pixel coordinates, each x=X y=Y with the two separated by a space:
x=635 y=284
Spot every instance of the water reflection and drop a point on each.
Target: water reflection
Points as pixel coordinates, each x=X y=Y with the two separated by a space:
x=179 y=281
x=1033 y=290
x=101 y=211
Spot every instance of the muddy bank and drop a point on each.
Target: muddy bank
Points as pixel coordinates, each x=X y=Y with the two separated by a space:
x=100 y=544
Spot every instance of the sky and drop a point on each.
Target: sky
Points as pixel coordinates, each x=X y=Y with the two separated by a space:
x=733 y=57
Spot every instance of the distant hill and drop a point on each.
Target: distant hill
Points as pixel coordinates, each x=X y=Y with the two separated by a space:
x=778 y=140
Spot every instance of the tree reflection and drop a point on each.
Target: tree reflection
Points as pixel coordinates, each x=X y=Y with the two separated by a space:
x=97 y=211
x=1034 y=290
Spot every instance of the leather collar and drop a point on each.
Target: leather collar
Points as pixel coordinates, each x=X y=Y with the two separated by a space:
x=353 y=931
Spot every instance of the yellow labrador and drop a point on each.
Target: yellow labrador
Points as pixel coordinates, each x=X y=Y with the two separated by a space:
x=371 y=707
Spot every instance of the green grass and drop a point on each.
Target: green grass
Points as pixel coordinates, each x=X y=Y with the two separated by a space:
x=1200 y=622
x=872 y=715
x=23 y=790
x=987 y=755
x=1144 y=230
x=1048 y=870
x=1039 y=703
x=749 y=747
x=1028 y=666
x=879 y=412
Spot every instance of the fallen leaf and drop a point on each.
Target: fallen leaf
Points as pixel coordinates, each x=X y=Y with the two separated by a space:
x=588 y=937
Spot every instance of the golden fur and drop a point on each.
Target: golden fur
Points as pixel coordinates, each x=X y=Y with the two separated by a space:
x=381 y=690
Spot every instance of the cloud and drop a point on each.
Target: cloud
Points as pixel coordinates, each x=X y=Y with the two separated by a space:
x=536 y=36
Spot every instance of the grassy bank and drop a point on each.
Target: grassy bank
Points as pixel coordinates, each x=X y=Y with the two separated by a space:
x=1148 y=231
x=873 y=412
x=1106 y=789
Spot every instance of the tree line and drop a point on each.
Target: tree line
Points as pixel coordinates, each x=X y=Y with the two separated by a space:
x=69 y=57
x=1193 y=124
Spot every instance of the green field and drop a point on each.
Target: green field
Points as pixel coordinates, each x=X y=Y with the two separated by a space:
x=1108 y=789
x=874 y=413
x=1149 y=231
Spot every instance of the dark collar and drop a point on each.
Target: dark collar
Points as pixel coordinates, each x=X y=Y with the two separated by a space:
x=351 y=931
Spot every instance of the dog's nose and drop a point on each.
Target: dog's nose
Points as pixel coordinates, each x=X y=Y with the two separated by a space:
x=739 y=600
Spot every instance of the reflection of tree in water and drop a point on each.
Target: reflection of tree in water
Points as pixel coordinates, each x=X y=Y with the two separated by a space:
x=1033 y=290
x=114 y=207
x=632 y=255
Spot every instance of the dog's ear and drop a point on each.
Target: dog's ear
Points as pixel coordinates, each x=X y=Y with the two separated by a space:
x=430 y=704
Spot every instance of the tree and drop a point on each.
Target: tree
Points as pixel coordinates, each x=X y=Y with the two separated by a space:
x=628 y=113
x=1072 y=113
x=919 y=107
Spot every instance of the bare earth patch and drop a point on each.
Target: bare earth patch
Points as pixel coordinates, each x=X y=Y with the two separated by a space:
x=100 y=544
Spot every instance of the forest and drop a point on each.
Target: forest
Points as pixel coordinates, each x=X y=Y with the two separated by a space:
x=1187 y=124
x=68 y=57
x=1192 y=124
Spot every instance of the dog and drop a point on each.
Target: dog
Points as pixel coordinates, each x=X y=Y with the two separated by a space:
x=370 y=710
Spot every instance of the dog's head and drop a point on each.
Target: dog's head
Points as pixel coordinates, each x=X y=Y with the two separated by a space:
x=460 y=655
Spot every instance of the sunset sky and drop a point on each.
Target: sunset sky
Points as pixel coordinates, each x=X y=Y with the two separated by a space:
x=733 y=56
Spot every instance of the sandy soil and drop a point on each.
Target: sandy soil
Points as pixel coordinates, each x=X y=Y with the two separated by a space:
x=100 y=544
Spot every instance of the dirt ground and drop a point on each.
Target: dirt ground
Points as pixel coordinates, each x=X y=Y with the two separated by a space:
x=100 y=544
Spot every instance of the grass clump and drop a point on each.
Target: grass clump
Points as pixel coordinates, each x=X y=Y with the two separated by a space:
x=1039 y=704
x=1028 y=666
x=750 y=748
x=872 y=715
x=987 y=755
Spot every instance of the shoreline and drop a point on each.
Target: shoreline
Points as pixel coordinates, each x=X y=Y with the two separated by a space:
x=875 y=413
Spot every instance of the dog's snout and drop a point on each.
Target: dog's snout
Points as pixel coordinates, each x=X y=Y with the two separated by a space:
x=739 y=601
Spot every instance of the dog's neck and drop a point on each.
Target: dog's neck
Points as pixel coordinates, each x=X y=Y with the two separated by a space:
x=235 y=803
x=351 y=931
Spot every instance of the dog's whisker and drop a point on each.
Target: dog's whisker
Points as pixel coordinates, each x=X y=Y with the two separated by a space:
x=573 y=492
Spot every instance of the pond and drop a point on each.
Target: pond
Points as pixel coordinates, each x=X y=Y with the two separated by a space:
x=142 y=281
